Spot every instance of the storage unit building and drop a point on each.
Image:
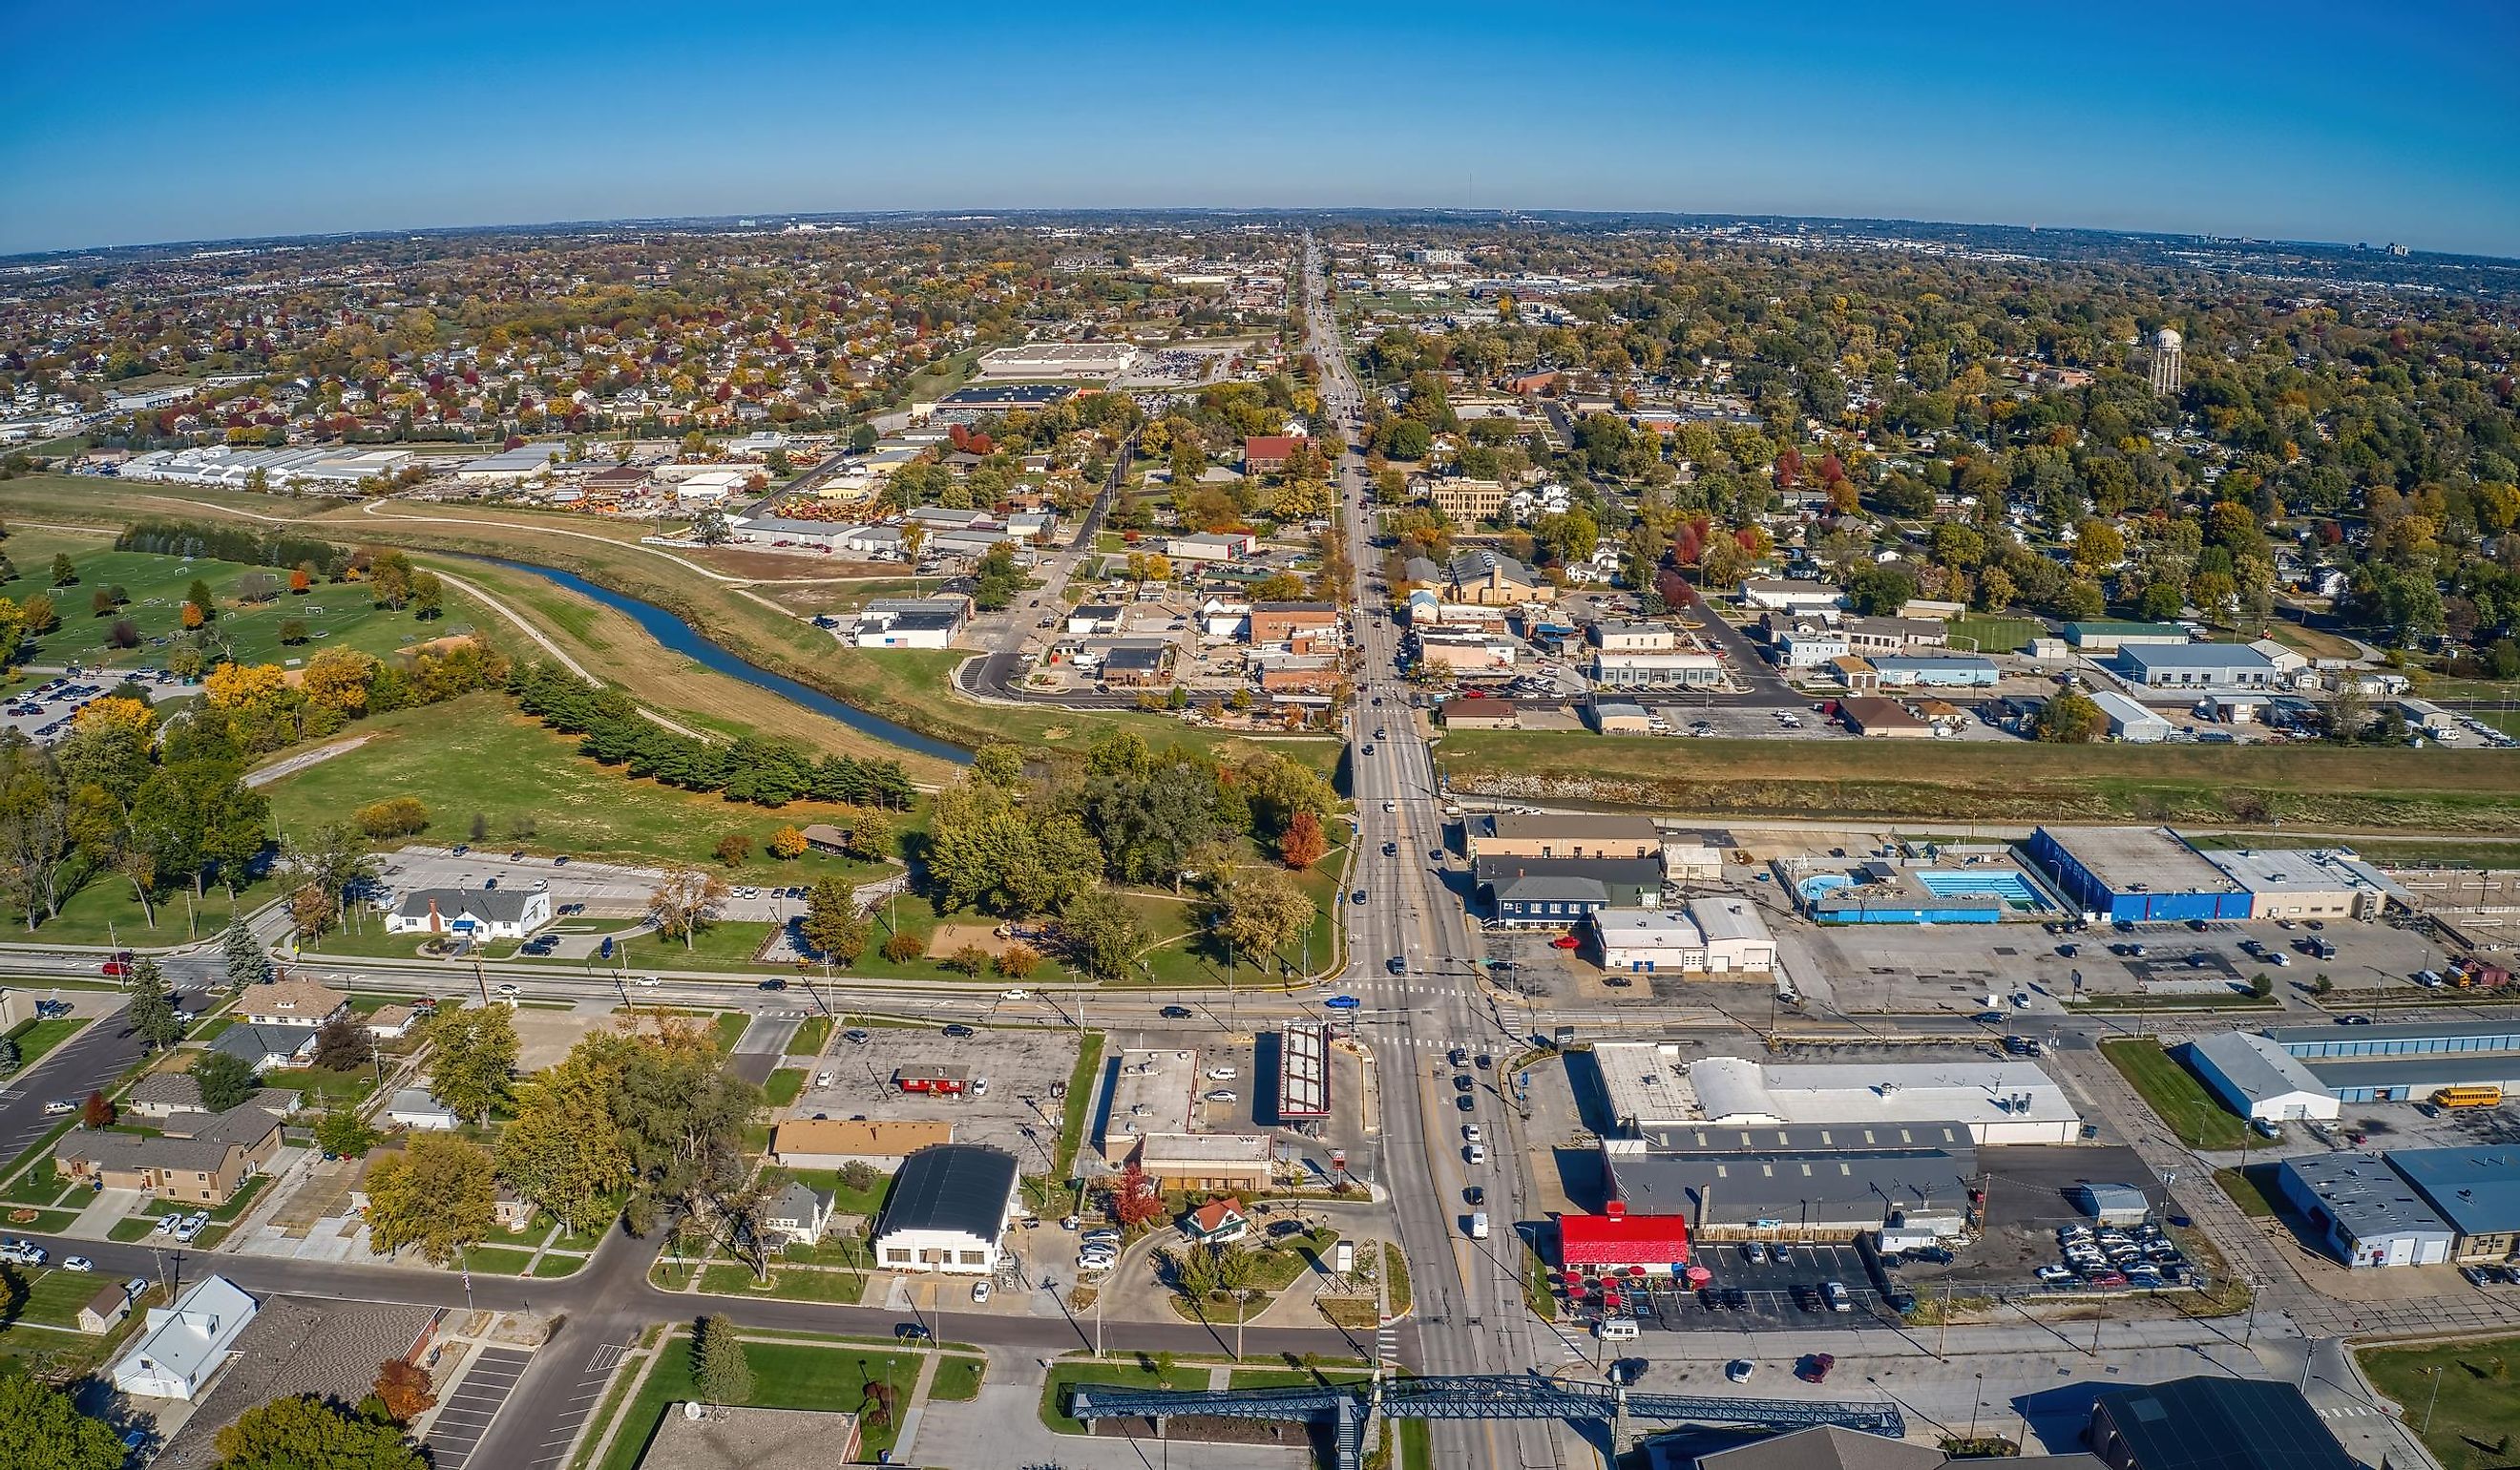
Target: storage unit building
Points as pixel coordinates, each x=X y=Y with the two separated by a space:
x=2364 y=1211
x=2256 y=1079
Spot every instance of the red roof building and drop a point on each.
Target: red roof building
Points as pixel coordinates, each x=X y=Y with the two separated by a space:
x=1614 y=1241
x=1268 y=453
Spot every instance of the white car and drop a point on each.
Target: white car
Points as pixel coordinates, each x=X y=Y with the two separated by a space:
x=1097 y=1260
x=979 y=1293
x=78 y=1264
x=187 y=1230
x=2053 y=1274
x=1740 y=1370
x=1221 y=1074
x=1018 y=995
x=165 y=1225
x=1222 y=1095
x=1469 y=1133
x=822 y=1079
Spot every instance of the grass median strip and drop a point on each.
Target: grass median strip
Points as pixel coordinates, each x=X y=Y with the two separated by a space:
x=2174 y=1093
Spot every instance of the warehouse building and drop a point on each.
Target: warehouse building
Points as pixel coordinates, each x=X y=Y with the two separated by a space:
x=2135 y=874
x=1951 y=671
x=2129 y=721
x=2476 y=1189
x=2198 y=667
x=2212 y=1423
x=1098 y=362
x=1829 y=1180
x=1648 y=1091
x=2256 y=1079
x=2109 y=636
x=2306 y=883
x=2364 y=1211
x=2407 y=1062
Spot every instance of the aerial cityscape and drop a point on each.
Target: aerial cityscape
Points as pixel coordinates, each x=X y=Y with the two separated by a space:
x=1781 y=807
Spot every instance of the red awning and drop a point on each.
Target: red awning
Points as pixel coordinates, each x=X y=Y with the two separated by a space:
x=1622 y=1240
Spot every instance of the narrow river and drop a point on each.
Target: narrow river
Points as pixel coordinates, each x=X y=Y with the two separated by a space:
x=679 y=635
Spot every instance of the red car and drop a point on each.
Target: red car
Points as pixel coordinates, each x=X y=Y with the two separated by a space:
x=2109 y=1278
x=1815 y=1366
x=1565 y=942
x=115 y=969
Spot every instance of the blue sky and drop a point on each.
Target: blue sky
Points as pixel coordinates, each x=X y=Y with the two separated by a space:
x=2311 y=120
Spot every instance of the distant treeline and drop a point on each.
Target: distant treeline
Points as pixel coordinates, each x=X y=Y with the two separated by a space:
x=766 y=773
x=233 y=543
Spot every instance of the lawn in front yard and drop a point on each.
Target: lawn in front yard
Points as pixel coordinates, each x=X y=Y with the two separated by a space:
x=785 y=1375
x=956 y=1380
x=2475 y=1415
x=2174 y=1095
x=785 y=1086
x=794 y=1285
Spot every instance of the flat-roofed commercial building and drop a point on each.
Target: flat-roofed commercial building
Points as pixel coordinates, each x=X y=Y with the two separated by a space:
x=2135 y=874
x=2476 y=1189
x=2303 y=883
x=1093 y=361
x=2194 y=666
x=1641 y=671
x=1562 y=834
x=2364 y=1211
x=1804 y=1181
x=2406 y=1062
x=1236 y=1162
x=2001 y=1102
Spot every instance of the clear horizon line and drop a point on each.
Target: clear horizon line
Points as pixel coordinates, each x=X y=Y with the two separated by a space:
x=948 y=212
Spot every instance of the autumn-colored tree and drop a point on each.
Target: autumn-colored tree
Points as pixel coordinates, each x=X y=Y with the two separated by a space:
x=129 y=717
x=788 y=843
x=300 y=581
x=192 y=618
x=903 y=947
x=1304 y=843
x=1137 y=1199
x=338 y=679
x=98 y=1113
x=733 y=848
x=969 y=959
x=1017 y=961
x=404 y=1389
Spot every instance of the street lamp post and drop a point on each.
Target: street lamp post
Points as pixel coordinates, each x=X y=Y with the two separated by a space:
x=1977 y=1401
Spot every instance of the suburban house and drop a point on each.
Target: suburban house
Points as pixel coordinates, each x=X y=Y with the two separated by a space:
x=948 y=1209
x=1219 y=1221
x=416 y=1108
x=268 y=1049
x=163 y=1094
x=475 y=914
x=838 y=1142
x=290 y=1003
x=201 y=1159
x=388 y=1023
x=184 y=1345
x=797 y=1214
x=823 y=838
x=104 y=1311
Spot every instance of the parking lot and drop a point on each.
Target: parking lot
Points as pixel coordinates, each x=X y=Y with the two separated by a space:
x=1019 y=1067
x=1769 y=1293
x=43 y=714
x=466 y=1413
x=607 y=890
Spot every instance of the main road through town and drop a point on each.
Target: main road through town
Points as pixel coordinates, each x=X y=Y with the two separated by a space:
x=1412 y=968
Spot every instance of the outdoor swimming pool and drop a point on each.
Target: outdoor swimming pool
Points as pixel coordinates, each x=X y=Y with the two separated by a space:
x=1994 y=882
x=1821 y=883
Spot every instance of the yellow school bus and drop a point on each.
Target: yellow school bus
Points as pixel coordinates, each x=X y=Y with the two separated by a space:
x=2469 y=1097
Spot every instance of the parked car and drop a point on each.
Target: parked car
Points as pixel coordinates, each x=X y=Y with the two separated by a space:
x=1740 y=1370
x=1815 y=1366
x=958 y=1030
x=979 y=1293
x=77 y=1264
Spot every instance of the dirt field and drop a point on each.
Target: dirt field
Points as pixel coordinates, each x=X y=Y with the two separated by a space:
x=951 y=937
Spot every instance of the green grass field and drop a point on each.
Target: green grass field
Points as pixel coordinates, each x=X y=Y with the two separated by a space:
x=535 y=791
x=785 y=1086
x=785 y=1375
x=956 y=1380
x=1993 y=635
x=2252 y=1188
x=334 y=615
x=35 y=1037
x=2174 y=1095
x=2473 y=1416
x=2321 y=788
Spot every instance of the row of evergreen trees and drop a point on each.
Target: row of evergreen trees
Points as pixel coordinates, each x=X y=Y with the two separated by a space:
x=765 y=773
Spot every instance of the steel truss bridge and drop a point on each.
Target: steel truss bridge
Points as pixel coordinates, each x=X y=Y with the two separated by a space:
x=1347 y=1408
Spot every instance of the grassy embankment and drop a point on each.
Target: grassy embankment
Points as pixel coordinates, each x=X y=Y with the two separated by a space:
x=2311 y=787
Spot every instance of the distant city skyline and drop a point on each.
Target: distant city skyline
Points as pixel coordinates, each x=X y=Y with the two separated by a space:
x=2315 y=122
